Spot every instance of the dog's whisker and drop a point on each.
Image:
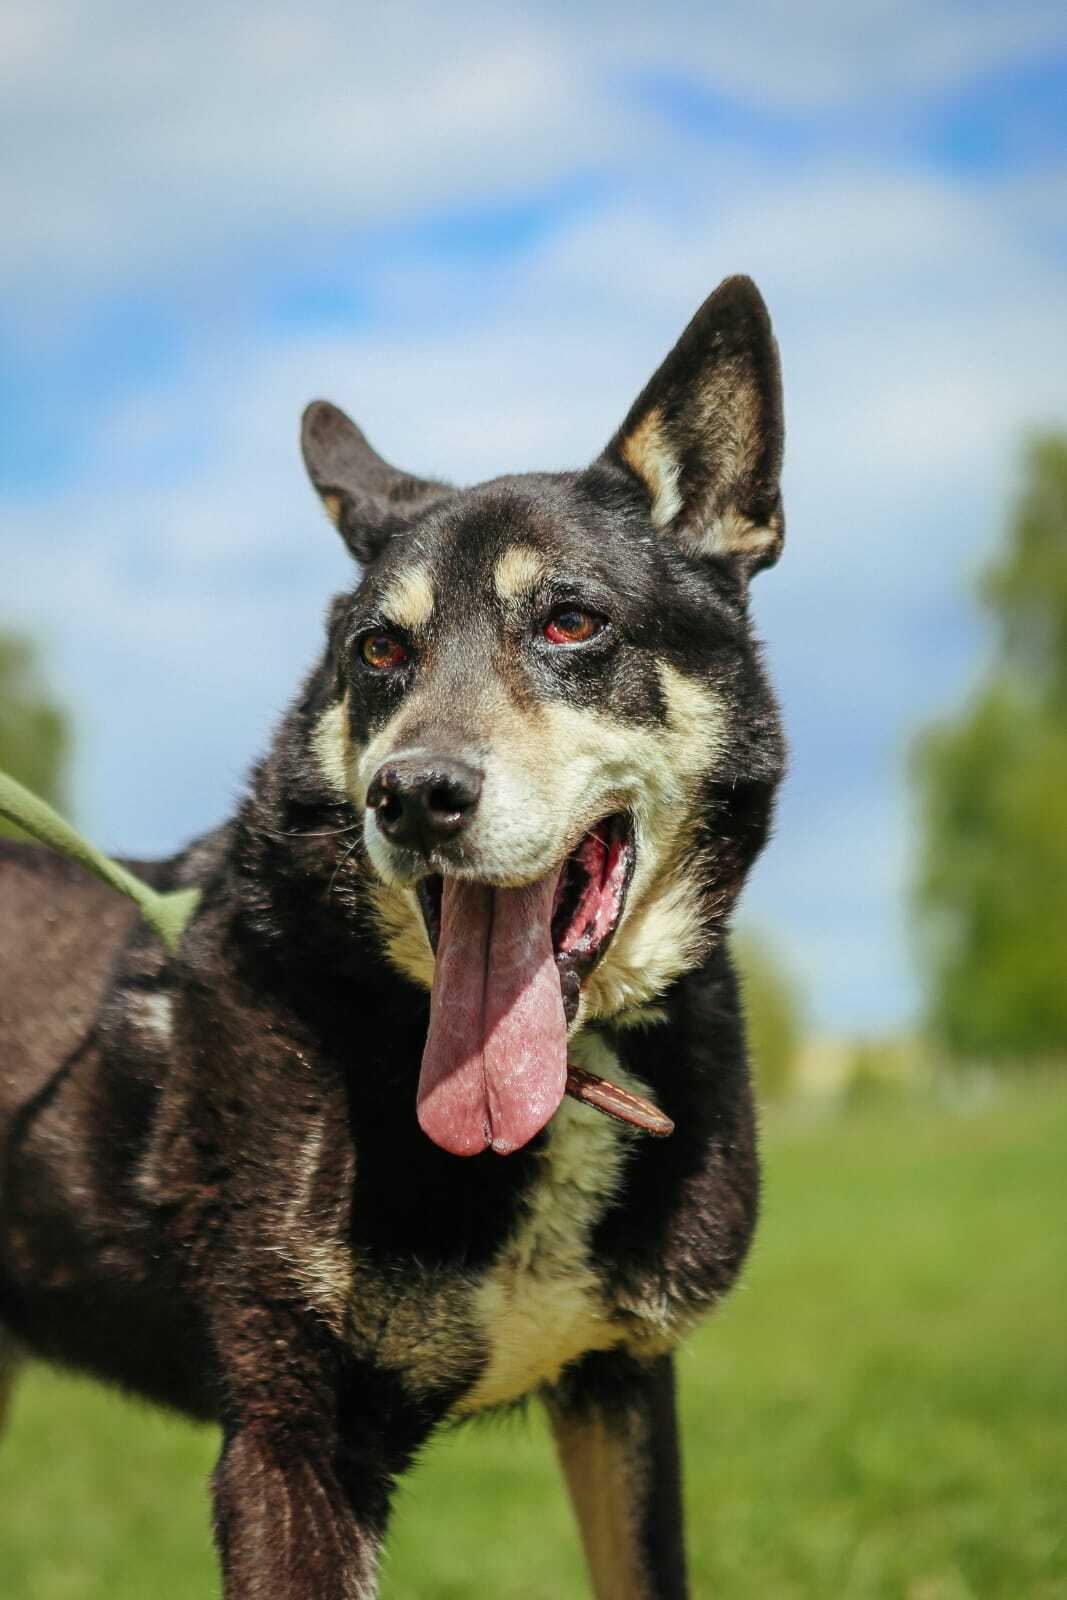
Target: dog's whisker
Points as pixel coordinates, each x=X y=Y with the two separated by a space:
x=343 y=861
x=323 y=833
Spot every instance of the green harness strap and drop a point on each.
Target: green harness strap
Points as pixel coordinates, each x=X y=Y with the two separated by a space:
x=168 y=914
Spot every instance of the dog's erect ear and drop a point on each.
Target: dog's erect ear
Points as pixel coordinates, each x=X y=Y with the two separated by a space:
x=704 y=438
x=367 y=500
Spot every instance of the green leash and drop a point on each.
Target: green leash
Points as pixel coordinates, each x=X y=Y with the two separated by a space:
x=168 y=914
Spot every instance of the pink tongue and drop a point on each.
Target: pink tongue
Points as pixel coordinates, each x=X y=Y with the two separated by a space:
x=495 y=1064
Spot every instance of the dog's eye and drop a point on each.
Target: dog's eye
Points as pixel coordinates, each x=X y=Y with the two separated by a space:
x=382 y=651
x=569 y=625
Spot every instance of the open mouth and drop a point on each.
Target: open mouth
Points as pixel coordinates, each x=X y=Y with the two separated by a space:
x=586 y=908
x=510 y=964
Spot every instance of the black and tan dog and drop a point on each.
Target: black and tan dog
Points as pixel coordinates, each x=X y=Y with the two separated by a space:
x=318 y=1177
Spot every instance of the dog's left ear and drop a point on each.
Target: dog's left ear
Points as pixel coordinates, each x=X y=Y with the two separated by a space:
x=704 y=438
x=366 y=499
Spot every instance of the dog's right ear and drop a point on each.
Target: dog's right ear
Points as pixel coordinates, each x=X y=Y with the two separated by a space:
x=366 y=499
x=704 y=437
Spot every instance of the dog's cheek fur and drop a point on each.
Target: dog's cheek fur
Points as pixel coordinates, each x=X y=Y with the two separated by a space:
x=394 y=909
x=333 y=750
x=401 y=929
x=664 y=932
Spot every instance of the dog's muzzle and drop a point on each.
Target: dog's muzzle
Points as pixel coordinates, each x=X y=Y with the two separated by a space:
x=509 y=962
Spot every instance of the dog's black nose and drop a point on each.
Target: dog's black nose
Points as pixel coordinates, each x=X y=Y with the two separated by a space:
x=421 y=801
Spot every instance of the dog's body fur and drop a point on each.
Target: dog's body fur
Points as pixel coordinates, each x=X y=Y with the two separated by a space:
x=215 y=1190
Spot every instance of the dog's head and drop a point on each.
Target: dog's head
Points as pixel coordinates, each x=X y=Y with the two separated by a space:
x=552 y=720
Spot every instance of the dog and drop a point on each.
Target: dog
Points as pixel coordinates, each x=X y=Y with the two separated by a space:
x=318 y=1177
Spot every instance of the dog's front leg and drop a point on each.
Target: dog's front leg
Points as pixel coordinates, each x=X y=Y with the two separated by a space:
x=616 y=1432
x=293 y=1524
x=313 y=1441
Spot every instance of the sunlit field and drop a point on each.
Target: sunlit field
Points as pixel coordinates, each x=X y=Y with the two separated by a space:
x=880 y=1410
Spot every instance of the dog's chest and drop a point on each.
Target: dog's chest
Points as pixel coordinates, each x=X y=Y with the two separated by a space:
x=540 y=1304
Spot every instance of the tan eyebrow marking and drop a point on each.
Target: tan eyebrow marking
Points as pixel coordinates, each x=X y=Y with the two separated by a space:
x=409 y=597
x=517 y=570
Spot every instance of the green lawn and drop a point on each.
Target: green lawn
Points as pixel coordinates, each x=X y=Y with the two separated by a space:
x=880 y=1410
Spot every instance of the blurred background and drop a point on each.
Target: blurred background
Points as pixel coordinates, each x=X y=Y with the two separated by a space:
x=479 y=229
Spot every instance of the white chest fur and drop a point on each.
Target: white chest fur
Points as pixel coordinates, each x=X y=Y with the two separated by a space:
x=540 y=1306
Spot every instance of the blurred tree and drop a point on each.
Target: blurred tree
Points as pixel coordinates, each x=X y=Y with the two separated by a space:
x=991 y=887
x=773 y=1013
x=34 y=730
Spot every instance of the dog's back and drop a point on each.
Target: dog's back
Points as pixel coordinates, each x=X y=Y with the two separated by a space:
x=76 y=1247
x=59 y=928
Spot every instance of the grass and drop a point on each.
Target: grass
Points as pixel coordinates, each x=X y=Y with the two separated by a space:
x=879 y=1411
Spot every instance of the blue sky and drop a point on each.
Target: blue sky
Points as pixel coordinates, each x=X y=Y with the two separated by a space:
x=479 y=230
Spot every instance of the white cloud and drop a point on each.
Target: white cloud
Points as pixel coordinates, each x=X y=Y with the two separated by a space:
x=155 y=135
x=831 y=53
x=140 y=139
